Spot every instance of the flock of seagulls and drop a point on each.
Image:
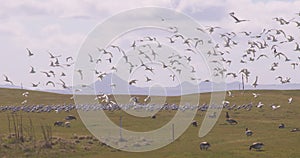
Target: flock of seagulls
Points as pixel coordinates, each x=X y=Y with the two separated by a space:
x=262 y=46
x=54 y=76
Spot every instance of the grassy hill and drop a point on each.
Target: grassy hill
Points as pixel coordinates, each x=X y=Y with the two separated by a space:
x=227 y=140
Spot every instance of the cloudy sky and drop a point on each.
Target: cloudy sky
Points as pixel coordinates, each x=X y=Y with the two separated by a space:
x=62 y=26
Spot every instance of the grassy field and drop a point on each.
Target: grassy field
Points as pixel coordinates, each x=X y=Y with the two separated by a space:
x=227 y=140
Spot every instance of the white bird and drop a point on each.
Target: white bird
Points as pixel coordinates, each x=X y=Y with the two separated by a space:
x=25 y=94
x=290 y=100
x=274 y=107
x=255 y=95
x=24 y=102
x=225 y=102
x=229 y=94
x=147 y=98
x=259 y=105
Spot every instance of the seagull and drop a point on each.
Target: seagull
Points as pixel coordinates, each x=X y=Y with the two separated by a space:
x=63 y=84
x=7 y=80
x=25 y=94
x=50 y=82
x=212 y=29
x=290 y=100
x=163 y=64
x=287 y=80
x=69 y=58
x=255 y=82
x=56 y=62
x=102 y=75
x=297 y=47
x=294 y=65
x=173 y=77
x=133 y=45
x=259 y=105
x=52 y=72
x=105 y=52
x=234 y=75
x=35 y=85
x=255 y=95
x=274 y=107
x=147 y=98
x=229 y=94
x=132 y=82
x=53 y=56
x=235 y=18
x=46 y=73
x=91 y=58
x=32 y=70
x=80 y=73
x=114 y=69
x=171 y=39
x=29 y=52
x=148 y=79
x=24 y=102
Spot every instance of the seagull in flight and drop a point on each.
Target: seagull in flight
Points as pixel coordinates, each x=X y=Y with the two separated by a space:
x=25 y=94
x=255 y=82
x=36 y=85
x=29 y=52
x=132 y=82
x=148 y=79
x=53 y=56
x=7 y=80
x=50 y=82
x=255 y=95
x=260 y=105
x=237 y=20
x=32 y=70
x=80 y=73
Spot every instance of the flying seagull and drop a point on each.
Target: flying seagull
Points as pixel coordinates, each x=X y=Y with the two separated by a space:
x=255 y=82
x=132 y=82
x=236 y=19
x=50 y=82
x=32 y=70
x=29 y=52
x=7 y=80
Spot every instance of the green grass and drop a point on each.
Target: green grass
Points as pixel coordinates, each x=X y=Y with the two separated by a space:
x=227 y=140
